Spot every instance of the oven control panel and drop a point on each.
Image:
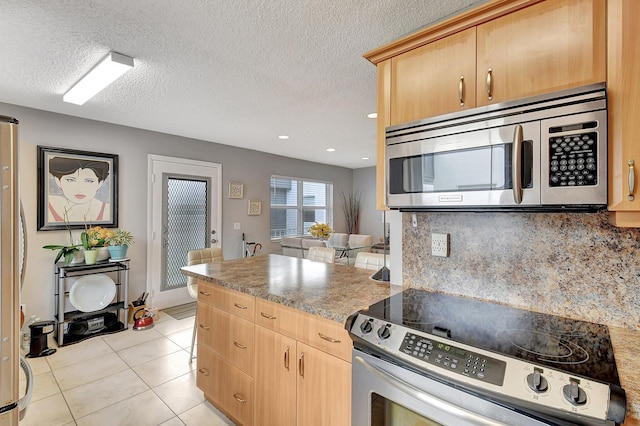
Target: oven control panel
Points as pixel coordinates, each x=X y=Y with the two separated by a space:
x=455 y=359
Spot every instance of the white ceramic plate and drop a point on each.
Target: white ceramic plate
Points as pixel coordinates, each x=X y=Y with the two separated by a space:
x=92 y=292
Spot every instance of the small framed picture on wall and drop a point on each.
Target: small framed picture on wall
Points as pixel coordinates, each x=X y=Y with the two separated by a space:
x=236 y=190
x=255 y=207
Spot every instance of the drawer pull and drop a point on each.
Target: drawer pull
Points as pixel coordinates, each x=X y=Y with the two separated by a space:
x=239 y=306
x=489 y=84
x=286 y=358
x=204 y=293
x=204 y=327
x=239 y=398
x=301 y=365
x=632 y=180
x=267 y=316
x=461 y=90
x=239 y=345
x=328 y=339
x=203 y=371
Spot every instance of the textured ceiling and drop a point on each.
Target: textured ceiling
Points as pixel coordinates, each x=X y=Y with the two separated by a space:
x=235 y=72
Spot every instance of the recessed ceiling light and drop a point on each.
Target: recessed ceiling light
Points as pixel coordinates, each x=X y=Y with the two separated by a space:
x=331 y=149
x=372 y=115
x=108 y=70
x=283 y=137
x=366 y=158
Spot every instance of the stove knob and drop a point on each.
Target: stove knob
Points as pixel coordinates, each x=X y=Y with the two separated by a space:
x=537 y=382
x=366 y=326
x=574 y=393
x=384 y=332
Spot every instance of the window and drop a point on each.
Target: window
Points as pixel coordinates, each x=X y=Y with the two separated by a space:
x=296 y=204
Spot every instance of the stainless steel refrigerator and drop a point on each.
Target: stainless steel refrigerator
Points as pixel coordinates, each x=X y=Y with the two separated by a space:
x=11 y=259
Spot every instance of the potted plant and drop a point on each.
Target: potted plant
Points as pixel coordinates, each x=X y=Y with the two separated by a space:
x=69 y=252
x=97 y=237
x=118 y=243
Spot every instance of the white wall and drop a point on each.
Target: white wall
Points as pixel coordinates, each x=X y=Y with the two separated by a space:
x=364 y=180
x=252 y=168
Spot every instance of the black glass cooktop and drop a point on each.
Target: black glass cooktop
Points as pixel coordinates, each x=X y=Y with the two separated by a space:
x=577 y=347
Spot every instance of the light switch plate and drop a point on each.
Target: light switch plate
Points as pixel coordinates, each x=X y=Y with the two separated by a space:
x=440 y=245
x=236 y=225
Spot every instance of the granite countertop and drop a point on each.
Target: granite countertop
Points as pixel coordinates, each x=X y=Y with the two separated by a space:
x=336 y=291
x=332 y=291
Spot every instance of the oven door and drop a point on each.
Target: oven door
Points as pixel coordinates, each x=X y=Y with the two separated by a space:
x=494 y=167
x=386 y=394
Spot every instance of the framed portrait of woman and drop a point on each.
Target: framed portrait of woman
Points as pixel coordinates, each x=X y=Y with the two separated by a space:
x=76 y=187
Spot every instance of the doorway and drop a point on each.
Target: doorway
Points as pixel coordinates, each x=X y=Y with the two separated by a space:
x=185 y=213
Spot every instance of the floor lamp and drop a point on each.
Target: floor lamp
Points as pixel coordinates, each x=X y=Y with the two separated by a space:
x=383 y=273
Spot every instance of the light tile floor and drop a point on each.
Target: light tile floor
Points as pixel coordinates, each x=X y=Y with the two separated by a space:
x=128 y=378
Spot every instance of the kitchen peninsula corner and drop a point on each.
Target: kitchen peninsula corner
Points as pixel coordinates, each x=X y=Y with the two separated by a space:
x=274 y=321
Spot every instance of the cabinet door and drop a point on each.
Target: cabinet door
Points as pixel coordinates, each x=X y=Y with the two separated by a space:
x=623 y=89
x=205 y=326
x=324 y=388
x=209 y=371
x=434 y=79
x=550 y=46
x=275 y=378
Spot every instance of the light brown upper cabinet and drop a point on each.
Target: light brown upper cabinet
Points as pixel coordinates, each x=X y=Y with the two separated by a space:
x=434 y=79
x=623 y=91
x=550 y=46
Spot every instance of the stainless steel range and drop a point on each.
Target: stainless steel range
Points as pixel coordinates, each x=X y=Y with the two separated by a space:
x=432 y=359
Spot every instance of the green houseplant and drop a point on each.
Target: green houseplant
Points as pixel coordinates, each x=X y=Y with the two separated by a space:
x=118 y=243
x=66 y=251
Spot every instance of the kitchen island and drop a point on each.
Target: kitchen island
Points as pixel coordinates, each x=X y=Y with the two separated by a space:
x=271 y=339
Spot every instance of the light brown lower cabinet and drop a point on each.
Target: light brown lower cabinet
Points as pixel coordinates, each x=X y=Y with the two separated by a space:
x=296 y=384
x=281 y=367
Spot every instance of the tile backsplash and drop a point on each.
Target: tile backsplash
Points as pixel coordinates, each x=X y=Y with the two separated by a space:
x=571 y=264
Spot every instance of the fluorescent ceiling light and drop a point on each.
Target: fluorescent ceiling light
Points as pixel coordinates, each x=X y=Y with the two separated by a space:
x=108 y=70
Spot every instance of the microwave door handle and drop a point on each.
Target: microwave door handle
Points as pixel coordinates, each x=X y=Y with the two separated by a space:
x=516 y=165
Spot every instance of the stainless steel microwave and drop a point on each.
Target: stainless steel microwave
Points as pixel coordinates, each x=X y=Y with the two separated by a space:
x=545 y=153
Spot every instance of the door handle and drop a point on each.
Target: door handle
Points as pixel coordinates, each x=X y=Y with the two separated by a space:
x=516 y=164
x=239 y=345
x=461 y=90
x=328 y=339
x=214 y=241
x=286 y=358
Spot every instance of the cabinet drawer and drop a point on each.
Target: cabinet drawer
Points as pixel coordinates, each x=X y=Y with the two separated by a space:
x=326 y=335
x=236 y=395
x=321 y=333
x=209 y=369
x=234 y=302
x=205 y=325
x=278 y=318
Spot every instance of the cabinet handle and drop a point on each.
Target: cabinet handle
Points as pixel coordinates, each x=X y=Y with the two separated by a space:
x=239 y=306
x=239 y=345
x=461 y=90
x=203 y=371
x=204 y=327
x=286 y=358
x=301 y=365
x=632 y=180
x=267 y=316
x=204 y=293
x=239 y=398
x=489 y=85
x=329 y=339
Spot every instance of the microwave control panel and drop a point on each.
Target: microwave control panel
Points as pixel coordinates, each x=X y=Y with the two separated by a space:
x=573 y=160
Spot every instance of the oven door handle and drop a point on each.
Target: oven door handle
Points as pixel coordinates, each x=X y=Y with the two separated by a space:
x=426 y=398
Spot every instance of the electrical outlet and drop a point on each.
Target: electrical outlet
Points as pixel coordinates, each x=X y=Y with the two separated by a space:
x=440 y=245
x=414 y=220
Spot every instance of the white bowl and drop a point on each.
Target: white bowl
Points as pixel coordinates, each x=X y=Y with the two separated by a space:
x=92 y=292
